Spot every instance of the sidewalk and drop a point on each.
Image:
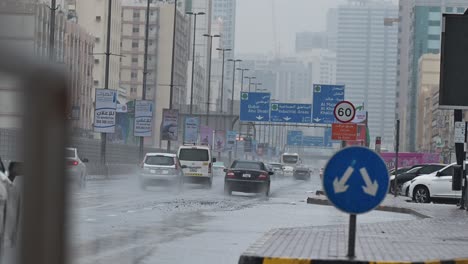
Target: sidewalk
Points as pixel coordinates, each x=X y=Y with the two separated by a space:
x=440 y=235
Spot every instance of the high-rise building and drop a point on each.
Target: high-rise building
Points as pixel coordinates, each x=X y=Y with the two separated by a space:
x=322 y=63
x=307 y=41
x=224 y=11
x=420 y=24
x=366 y=53
x=92 y=16
x=29 y=22
x=160 y=41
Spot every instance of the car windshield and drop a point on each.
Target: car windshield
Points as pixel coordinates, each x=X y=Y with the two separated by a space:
x=70 y=153
x=202 y=131
x=159 y=160
x=247 y=165
x=290 y=158
x=194 y=155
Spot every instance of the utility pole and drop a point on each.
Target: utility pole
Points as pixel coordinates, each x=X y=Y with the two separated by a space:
x=53 y=8
x=171 y=91
x=209 y=74
x=222 y=79
x=145 y=71
x=106 y=79
x=193 y=54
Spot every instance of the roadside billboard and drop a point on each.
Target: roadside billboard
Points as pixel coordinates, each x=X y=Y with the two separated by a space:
x=191 y=129
x=104 y=114
x=406 y=159
x=143 y=118
x=170 y=125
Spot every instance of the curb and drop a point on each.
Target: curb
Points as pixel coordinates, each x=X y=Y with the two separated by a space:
x=267 y=260
x=384 y=208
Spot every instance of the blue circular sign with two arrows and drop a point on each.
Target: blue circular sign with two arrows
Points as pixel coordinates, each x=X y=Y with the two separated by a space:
x=356 y=180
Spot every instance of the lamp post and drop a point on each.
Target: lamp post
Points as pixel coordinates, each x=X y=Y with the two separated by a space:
x=233 y=85
x=209 y=74
x=193 y=53
x=250 y=80
x=171 y=90
x=256 y=86
x=222 y=78
x=232 y=99
x=242 y=77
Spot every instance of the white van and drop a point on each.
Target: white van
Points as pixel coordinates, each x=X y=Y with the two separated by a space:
x=199 y=163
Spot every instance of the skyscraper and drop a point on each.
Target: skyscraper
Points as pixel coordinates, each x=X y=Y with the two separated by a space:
x=419 y=34
x=366 y=62
x=224 y=11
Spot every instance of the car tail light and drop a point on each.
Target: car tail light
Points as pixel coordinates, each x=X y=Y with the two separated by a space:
x=176 y=164
x=72 y=163
x=209 y=168
x=230 y=174
x=263 y=176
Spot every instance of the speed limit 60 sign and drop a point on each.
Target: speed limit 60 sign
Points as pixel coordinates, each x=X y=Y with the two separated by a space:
x=344 y=111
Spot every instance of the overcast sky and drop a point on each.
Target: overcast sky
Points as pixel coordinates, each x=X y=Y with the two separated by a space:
x=254 y=30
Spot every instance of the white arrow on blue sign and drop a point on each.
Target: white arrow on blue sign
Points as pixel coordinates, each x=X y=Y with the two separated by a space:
x=325 y=98
x=356 y=180
x=255 y=107
x=291 y=113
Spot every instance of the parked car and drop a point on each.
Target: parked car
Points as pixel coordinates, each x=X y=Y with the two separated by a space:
x=277 y=169
x=400 y=170
x=218 y=168
x=75 y=167
x=302 y=173
x=435 y=185
x=247 y=176
x=413 y=173
x=160 y=168
x=198 y=163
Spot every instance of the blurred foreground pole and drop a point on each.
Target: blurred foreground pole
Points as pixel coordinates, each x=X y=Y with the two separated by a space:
x=53 y=8
x=171 y=88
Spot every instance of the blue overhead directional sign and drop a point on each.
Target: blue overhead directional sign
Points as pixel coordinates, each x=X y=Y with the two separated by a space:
x=325 y=98
x=294 y=138
x=255 y=107
x=309 y=141
x=290 y=113
x=356 y=180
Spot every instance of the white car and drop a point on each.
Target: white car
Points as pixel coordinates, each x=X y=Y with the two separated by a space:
x=160 y=167
x=288 y=171
x=75 y=167
x=434 y=185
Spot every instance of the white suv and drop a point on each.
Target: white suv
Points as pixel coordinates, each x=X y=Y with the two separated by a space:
x=197 y=162
x=434 y=185
x=160 y=167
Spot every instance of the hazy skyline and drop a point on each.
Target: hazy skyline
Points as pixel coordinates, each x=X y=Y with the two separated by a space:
x=254 y=29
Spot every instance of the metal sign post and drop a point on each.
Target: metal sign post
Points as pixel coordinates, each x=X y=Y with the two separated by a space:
x=355 y=181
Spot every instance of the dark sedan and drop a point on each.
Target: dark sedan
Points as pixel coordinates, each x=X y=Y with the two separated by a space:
x=412 y=173
x=247 y=176
x=301 y=174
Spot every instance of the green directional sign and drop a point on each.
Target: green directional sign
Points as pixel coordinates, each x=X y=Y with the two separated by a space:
x=245 y=96
x=274 y=107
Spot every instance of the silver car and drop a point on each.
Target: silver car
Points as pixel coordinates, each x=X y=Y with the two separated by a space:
x=160 y=168
x=75 y=167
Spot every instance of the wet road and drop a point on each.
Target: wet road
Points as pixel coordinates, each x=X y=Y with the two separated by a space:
x=116 y=222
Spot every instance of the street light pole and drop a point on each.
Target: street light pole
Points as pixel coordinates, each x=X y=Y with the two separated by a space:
x=233 y=86
x=106 y=78
x=171 y=88
x=193 y=54
x=145 y=72
x=250 y=80
x=222 y=79
x=242 y=77
x=209 y=75
x=256 y=86
x=232 y=100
